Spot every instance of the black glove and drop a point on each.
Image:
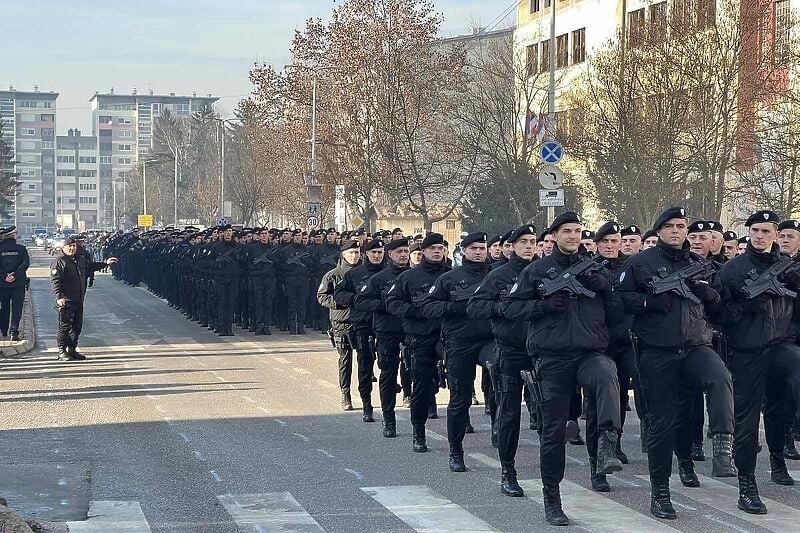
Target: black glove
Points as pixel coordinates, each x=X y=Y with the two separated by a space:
x=598 y=283
x=657 y=303
x=555 y=304
x=704 y=291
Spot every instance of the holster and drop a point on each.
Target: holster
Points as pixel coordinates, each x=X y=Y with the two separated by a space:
x=720 y=344
x=532 y=380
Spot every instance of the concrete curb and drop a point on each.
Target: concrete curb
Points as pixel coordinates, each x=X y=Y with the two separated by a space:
x=10 y=522
x=10 y=349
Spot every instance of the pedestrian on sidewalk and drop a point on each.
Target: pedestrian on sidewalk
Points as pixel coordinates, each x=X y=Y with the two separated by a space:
x=14 y=263
x=68 y=282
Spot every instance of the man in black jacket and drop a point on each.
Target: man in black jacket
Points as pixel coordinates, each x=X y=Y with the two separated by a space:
x=388 y=329
x=297 y=269
x=361 y=334
x=265 y=260
x=568 y=332
x=403 y=300
x=512 y=355
x=14 y=263
x=674 y=337
x=226 y=279
x=340 y=317
x=69 y=286
x=325 y=257
x=765 y=361
x=462 y=336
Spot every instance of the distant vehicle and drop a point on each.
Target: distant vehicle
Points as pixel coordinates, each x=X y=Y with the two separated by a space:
x=67 y=232
x=41 y=238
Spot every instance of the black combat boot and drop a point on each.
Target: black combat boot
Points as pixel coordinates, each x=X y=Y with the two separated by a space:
x=698 y=454
x=687 y=474
x=469 y=428
x=457 y=458
x=749 y=500
x=253 y=327
x=301 y=330
x=347 y=402
x=779 y=473
x=64 y=355
x=607 y=462
x=15 y=336
x=660 y=504
x=418 y=438
x=389 y=425
x=552 y=507
x=75 y=354
x=721 y=465
x=366 y=413
x=508 y=480
x=789 y=449
x=623 y=458
x=599 y=481
x=487 y=409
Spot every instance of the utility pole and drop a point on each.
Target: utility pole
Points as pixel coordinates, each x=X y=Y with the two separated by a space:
x=550 y=134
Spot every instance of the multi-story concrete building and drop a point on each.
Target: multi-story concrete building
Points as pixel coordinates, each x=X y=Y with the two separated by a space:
x=29 y=125
x=123 y=125
x=78 y=199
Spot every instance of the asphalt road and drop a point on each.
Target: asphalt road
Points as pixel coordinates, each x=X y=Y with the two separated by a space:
x=170 y=428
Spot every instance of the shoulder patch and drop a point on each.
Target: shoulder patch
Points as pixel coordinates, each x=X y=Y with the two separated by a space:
x=433 y=288
x=622 y=276
x=390 y=288
x=514 y=287
x=54 y=272
x=363 y=288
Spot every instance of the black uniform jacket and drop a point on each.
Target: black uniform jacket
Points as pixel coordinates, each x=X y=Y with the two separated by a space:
x=14 y=259
x=372 y=299
x=405 y=296
x=352 y=282
x=226 y=259
x=619 y=332
x=67 y=280
x=269 y=259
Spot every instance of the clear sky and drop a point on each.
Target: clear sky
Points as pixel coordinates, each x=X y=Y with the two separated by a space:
x=78 y=47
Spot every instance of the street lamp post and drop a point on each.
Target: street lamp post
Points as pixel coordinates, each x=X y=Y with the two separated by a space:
x=175 y=199
x=144 y=183
x=222 y=122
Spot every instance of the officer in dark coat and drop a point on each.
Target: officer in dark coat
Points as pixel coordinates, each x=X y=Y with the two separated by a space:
x=388 y=329
x=264 y=262
x=462 y=336
x=14 y=263
x=69 y=286
x=568 y=332
x=297 y=269
x=361 y=335
x=765 y=361
x=512 y=355
x=404 y=300
x=674 y=336
x=226 y=279
x=325 y=257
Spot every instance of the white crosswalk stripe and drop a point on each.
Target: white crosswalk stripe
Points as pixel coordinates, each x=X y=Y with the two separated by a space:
x=425 y=511
x=112 y=517
x=266 y=512
x=595 y=512
x=723 y=496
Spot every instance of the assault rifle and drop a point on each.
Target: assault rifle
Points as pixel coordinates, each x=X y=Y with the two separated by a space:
x=768 y=283
x=298 y=260
x=227 y=257
x=463 y=294
x=330 y=260
x=676 y=282
x=568 y=280
x=263 y=258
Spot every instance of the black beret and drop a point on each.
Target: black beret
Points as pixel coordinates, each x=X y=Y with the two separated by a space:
x=348 y=244
x=225 y=227
x=374 y=244
x=477 y=236
x=669 y=214
x=522 y=230
x=744 y=240
x=730 y=236
x=649 y=233
x=397 y=243
x=545 y=232
x=765 y=215
x=609 y=228
x=415 y=247
x=715 y=226
x=567 y=217
x=789 y=224
x=417 y=236
x=699 y=226
x=431 y=239
x=506 y=236
x=633 y=229
x=395 y=230
x=358 y=232
x=496 y=238
x=587 y=234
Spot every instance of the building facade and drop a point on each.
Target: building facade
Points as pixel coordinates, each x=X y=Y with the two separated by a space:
x=78 y=199
x=29 y=125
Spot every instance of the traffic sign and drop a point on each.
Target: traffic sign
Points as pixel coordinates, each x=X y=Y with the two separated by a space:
x=551 y=152
x=551 y=198
x=312 y=209
x=357 y=221
x=551 y=177
x=222 y=221
x=144 y=221
x=312 y=222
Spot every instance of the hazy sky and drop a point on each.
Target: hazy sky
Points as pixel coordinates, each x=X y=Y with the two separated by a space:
x=81 y=46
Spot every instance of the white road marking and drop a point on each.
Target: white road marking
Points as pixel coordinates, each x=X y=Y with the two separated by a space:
x=424 y=510
x=486 y=460
x=111 y=517
x=436 y=436
x=327 y=384
x=221 y=378
x=282 y=360
x=264 y=410
x=281 y=422
x=274 y=511
x=199 y=456
x=722 y=497
x=215 y=476
x=184 y=437
x=302 y=371
x=358 y=475
x=595 y=512
x=249 y=399
x=325 y=453
x=623 y=480
x=301 y=437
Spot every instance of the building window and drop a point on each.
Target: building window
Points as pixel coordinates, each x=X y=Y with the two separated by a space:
x=47 y=173
x=104 y=119
x=88 y=186
x=123 y=120
x=31 y=186
x=105 y=159
x=658 y=21
x=47 y=118
x=636 y=27
x=87 y=173
x=450 y=224
x=156 y=109
x=48 y=145
x=47 y=105
x=87 y=159
x=536 y=5
x=106 y=133
x=48 y=133
x=28 y=132
x=123 y=160
x=30 y=173
x=106 y=147
x=27 y=103
x=65 y=172
x=532 y=58
x=105 y=173
x=783 y=32
x=123 y=147
x=125 y=134
x=544 y=62
x=29 y=214
x=182 y=108
x=47 y=159
x=66 y=159
x=579 y=46
x=562 y=51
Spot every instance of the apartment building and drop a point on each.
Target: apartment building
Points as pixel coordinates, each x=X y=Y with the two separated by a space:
x=79 y=199
x=29 y=125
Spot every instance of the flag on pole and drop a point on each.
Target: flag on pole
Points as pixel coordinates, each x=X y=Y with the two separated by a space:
x=534 y=126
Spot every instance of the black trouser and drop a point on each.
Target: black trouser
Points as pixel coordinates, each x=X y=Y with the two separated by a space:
x=227 y=290
x=461 y=362
x=296 y=300
x=11 y=301
x=510 y=363
x=263 y=298
x=626 y=369
x=365 y=357
x=559 y=375
x=70 y=323
x=345 y=351
x=405 y=374
x=665 y=374
x=388 y=353
x=762 y=378
x=422 y=357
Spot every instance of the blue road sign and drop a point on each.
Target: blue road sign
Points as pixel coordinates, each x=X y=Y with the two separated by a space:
x=551 y=152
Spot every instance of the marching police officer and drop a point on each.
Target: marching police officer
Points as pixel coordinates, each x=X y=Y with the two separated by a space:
x=265 y=260
x=14 y=263
x=226 y=279
x=297 y=268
